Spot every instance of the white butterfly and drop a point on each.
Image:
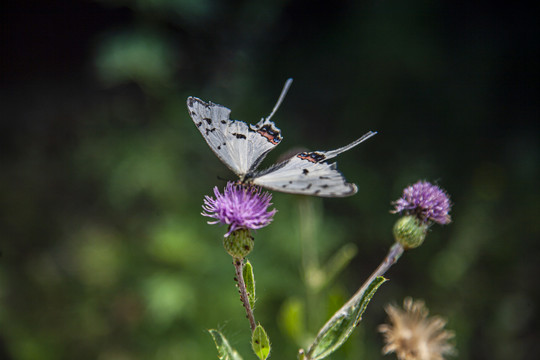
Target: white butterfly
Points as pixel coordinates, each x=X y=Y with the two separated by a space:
x=242 y=147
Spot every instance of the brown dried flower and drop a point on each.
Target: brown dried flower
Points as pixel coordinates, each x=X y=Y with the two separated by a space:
x=412 y=335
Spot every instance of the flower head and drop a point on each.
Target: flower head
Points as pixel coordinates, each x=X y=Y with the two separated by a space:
x=425 y=201
x=412 y=335
x=240 y=207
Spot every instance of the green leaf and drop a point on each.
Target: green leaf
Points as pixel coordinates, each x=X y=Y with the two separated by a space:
x=249 y=280
x=225 y=351
x=260 y=342
x=338 y=329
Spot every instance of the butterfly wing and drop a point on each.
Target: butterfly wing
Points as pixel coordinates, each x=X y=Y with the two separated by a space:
x=237 y=145
x=300 y=176
x=308 y=173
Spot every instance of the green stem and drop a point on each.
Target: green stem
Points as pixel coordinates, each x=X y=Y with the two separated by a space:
x=391 y=258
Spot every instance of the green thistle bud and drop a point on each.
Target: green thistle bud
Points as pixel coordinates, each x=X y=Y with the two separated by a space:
x=410 y=232
x=239 y=243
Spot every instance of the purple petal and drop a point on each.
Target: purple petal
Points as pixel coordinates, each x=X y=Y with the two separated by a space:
x=239 y=207
x=428 y=202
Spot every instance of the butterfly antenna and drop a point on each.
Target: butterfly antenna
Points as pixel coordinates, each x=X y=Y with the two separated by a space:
x=333 y=153
x=281 y=97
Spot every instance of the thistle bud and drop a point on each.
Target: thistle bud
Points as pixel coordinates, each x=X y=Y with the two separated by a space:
x=410 y=232
x=239 y=243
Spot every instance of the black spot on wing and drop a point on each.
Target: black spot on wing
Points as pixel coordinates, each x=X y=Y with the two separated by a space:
x=324 y=178
x=208 y=131
x=308 y=186
x=305 y=171
x=199 y=124
x=223 y=121
x=208 y=120
x=239 y=136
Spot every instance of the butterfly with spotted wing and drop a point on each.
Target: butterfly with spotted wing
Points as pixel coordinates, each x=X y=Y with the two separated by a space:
x=242 y=148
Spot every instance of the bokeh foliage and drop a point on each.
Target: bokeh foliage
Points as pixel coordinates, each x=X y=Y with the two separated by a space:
x=104 y=252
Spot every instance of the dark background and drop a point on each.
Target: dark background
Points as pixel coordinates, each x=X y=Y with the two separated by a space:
x=103 y=252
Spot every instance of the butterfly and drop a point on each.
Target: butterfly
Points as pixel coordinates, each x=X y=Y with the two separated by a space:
x=243 y=147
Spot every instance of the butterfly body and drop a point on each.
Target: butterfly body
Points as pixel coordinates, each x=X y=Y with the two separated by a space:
x=243 y=147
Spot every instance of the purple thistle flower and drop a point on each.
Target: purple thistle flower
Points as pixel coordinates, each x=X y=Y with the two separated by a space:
x=426 y=201
x=240 y=207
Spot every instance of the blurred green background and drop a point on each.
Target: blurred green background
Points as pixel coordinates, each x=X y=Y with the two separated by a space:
x=104 y=254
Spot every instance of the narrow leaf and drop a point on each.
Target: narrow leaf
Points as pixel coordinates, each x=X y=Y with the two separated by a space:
x=249 y=280
x=338 y=329
x=225 y=351
x=260 y=343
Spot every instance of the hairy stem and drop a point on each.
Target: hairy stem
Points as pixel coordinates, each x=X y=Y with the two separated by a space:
x=239 y=266
x=391 y=258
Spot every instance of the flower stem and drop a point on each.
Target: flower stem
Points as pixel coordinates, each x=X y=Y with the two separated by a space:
x=391 y=258
x=239 y=266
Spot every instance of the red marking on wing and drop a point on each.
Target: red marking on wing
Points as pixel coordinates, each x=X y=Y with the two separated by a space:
x=308 y=157
x=314 y=156
x=270 y=138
